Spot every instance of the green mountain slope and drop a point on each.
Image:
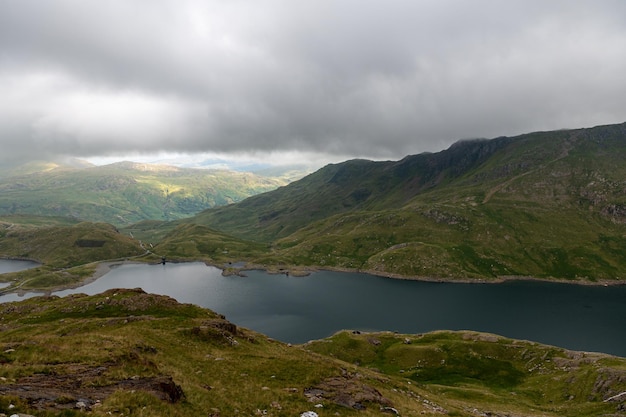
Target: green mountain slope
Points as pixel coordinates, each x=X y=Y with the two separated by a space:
x=68 y=253
x=547 y=204
x=137 y=354
x=192 y=241
x=124 y=193
x=65 y=246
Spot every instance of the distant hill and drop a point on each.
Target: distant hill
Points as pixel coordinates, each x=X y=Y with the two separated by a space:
x=123 y=193
x=545 y=204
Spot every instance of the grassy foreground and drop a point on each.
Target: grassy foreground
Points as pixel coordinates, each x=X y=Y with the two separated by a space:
x=125 y=352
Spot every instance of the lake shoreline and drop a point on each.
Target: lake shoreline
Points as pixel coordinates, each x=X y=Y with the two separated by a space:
x=305 y=271
x=308 y=309
x=102 y=268
x=105 y=267
x=297 y=309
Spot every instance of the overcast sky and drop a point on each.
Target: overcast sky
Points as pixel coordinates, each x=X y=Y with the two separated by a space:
x=327 y=79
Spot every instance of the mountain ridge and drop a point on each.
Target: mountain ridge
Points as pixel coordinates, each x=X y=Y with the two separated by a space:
x=543 y=204
x=397 y=182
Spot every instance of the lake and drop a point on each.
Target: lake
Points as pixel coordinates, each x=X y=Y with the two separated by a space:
x=11 y=265
x=298 y=309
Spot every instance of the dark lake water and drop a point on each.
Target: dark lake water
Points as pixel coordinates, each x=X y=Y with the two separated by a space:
x=298 y=309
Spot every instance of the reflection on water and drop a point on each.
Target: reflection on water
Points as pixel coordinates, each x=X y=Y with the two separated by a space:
x=298 y=309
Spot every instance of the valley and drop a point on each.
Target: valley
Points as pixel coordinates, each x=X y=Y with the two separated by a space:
x=544 y=206
x=312 y=209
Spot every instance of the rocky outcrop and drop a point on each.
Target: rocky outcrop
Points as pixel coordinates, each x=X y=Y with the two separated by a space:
x=347 y=390
x=77 y=389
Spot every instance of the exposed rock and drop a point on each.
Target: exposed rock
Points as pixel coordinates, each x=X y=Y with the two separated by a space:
x=390 y=410
x=616 y=398
x=610 y=383
x=76 y=389
x=348 y=391
x=616 y=212
x=220 y=330
x=373 y=341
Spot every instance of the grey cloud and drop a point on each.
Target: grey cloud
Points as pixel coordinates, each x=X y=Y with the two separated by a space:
x=371 y=78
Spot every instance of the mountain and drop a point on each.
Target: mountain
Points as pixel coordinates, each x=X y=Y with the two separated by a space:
x=137 y=354
x=123 y=193
x=544 y=204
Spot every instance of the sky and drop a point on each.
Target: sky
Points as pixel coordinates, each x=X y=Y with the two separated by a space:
x=282 y=81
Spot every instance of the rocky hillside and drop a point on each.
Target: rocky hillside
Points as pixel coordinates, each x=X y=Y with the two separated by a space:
x=547 y=204
x=566 y=168
x=125 y=352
